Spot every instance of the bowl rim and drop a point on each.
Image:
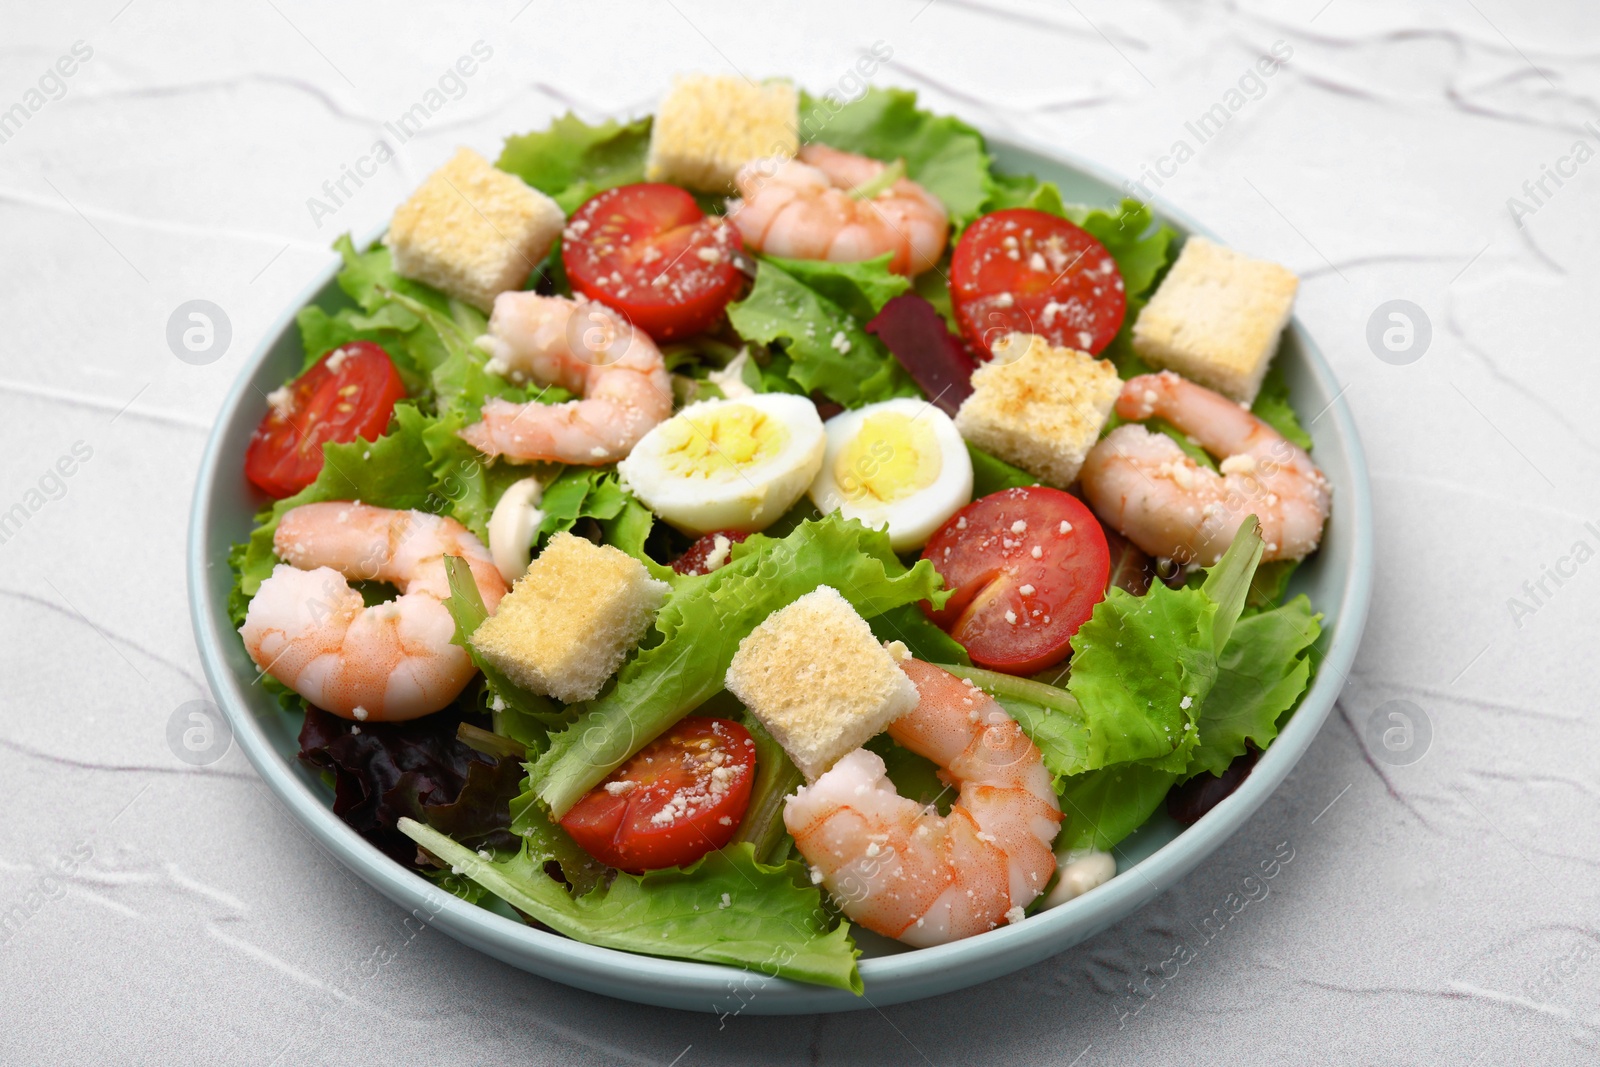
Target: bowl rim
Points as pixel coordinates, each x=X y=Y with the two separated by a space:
x=701 y=986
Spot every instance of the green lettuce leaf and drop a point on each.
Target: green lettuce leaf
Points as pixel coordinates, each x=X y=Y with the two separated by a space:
x=926 y=641
x=629 y=529
x=418 y=326
x=776 y=778
x=944 y=155
x=824 y=345
x=549 y=842
x=1141 y=246
x=860 y=289
x=1262 y=672
x=990 y=474
x=1142 y=666
x=1271 y=583
x=581 y=493
x=572 y=160
x=700 y=628
x=1102 y=807
x=933 y=287
x=1272 y=407
x=726 y=908
x=1023 y=190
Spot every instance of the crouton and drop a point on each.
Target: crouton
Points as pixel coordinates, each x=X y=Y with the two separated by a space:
x=570 y=621
x=1039 y=407
x=473 y=231
x=1216 y=318
x=819 y=681
x=710 y=126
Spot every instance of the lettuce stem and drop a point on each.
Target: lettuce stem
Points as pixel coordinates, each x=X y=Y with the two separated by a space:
x=776 y=778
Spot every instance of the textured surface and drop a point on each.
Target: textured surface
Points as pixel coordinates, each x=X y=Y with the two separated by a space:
x=1442 y=911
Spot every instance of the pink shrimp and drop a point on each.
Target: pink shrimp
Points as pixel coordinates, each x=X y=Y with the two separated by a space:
x=908 y=872
x=826 y=205
x=386 y=663
x=1170 y=506
x=585 y=348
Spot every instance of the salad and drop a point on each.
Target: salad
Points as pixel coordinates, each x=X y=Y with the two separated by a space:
x=708 y=544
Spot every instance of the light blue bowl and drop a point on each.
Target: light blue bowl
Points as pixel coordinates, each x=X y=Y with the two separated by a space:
x=1338 y=581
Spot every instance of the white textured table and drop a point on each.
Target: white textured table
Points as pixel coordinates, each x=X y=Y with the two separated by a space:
x=1442 y=911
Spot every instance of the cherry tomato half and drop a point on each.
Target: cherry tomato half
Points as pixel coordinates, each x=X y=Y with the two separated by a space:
x=682 y=796
x=1028 y=271
x=648 y=251
x=348 y=393
x=1027 y=566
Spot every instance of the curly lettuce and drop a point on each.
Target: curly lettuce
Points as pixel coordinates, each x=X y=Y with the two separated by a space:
x=814 y=313
x=1143 y=666
x=944 y=155
x=1262 y=671
x=725 y=908
x=572 y=160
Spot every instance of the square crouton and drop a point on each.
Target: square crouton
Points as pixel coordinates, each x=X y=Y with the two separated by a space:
x=819 y=681
x=570 y=621
x=1216 y=318
x=1038 y=406
x=473 y=231
x=709 y=126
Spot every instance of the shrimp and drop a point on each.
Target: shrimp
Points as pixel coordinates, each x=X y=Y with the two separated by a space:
x=387 y=663
x=585 y=348
x=813 y=208
x=1170 y=506
x=908 y=872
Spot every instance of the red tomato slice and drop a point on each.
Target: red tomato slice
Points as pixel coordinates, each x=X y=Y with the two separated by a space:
x=1028 y=271
x=697 y=558
x=1027 y=566
x=649 y=251
x=682 y=796
x=348 y=393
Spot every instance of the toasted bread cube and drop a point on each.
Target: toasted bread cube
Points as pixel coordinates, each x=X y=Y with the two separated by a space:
x=819 y=681
x=1039 y=407
x=1216 y=318
x=711 y=125
x=473 y=231
x=570 y=621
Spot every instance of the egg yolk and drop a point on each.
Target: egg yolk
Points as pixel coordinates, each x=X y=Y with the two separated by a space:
x=721 y=442
x=890 y=458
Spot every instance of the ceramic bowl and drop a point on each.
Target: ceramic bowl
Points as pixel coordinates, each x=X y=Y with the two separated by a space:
x=1338 y=580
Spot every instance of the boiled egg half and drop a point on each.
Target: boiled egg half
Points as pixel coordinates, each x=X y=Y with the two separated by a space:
x=728 y=464
x=900 y=464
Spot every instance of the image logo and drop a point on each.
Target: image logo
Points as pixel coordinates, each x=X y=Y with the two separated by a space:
x=199 y=332
x=198 y=734
x=1399 y=332
x=1399 y=733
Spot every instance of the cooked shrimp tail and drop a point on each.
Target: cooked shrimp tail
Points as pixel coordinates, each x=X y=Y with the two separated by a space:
x=908 y=872
x=1144 y=485
x=310 y=630
x=832 y=205
x=587 y=349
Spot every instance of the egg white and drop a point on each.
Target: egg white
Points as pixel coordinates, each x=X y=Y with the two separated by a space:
x=727 y=495
x=912 y=519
